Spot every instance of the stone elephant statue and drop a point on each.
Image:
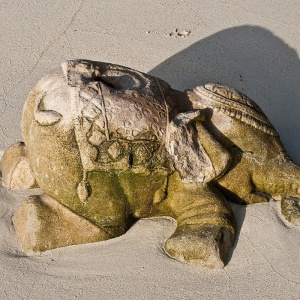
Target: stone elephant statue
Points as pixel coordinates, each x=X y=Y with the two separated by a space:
x=109 y=145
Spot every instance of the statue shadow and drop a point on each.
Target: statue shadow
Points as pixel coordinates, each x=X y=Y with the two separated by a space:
x=254 y=61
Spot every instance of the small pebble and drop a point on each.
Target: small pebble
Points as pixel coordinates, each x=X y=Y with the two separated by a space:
x=183 y=33
x=179 y=33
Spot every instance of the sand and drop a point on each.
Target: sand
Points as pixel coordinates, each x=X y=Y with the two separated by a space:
x=251 y=45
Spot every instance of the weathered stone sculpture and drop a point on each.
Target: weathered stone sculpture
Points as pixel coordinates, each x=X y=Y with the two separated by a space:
x=109 y=145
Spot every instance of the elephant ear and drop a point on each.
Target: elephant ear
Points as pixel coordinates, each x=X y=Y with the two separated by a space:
x=196 y=155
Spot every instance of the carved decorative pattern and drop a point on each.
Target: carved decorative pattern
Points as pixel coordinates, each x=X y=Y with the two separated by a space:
x=118 y=129
x=235 y=104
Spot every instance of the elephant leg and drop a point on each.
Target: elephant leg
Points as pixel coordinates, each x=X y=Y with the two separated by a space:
x=142 y=190
x=237 y=185
x=41 y=223
x=202 y=245
x=205 y=224
x=246 y=195
x=15 y=168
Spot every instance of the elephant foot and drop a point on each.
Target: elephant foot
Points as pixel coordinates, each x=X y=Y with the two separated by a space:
x=290 y=209
x=15 y=168
x=41 y=223
x=206 y=224
x=202 y=245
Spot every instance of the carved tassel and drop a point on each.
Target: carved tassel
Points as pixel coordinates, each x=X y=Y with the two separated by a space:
x=83 y=191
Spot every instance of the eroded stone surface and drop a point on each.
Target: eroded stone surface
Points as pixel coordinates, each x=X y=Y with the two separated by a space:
x=15 y=168
x=290 y=208
x=108 y=145
x=41 y=223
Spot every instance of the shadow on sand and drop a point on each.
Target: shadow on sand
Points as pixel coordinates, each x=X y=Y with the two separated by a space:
x=254 y=61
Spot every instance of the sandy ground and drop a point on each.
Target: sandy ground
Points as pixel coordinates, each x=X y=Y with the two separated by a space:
x=251 y=45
